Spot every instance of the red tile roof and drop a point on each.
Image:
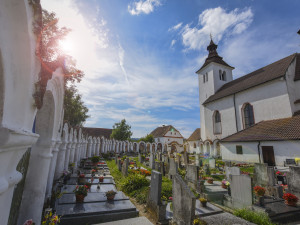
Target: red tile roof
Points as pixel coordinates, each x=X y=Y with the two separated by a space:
x=161 y=131
x=97 y=132
x=270 y=130
x=260 y=76
x=195 y=136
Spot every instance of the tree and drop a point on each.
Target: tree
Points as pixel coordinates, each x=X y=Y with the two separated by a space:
x=121 y=131
x=149 y=138
x=51 y=56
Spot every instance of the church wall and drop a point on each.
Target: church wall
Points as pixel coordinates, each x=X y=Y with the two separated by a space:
x=269 y=101
x=191 y=147
x=293 y=86
x=282 y=151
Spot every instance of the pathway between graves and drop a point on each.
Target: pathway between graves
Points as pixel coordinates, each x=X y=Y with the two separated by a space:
x=95 y=208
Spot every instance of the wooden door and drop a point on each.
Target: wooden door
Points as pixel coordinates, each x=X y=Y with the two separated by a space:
x=268 y=155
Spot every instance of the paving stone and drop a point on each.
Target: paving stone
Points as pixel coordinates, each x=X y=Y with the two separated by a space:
x=134 y=221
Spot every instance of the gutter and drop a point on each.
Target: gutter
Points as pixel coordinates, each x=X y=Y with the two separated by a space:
x=258 y=150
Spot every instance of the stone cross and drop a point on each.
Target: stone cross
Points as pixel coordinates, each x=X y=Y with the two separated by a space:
x=184 y=202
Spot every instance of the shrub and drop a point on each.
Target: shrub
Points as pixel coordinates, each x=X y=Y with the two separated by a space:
x=259 y=218
x=134 y=182
x=166 y=189
x=95 y=159
x=182 y=172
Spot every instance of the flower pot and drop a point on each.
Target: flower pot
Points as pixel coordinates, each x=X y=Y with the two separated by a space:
x=291 y=203
x=80 y=198
x=224 y=186
x=261 y=200
x=203 y=204
x=210 y=181
x=101 y=179
x=110 y=197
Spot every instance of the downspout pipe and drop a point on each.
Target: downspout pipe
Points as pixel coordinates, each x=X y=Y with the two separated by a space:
x=236 y=125
x=258 y=150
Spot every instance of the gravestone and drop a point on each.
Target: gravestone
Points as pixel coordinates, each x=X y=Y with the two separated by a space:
x=228 y=163
x=293 y=180
x=206 y=169
x=274 y=191
x=173 y=170
x=140 y=158
x=125 y=167
x=186 y=159
x=271 y=176
x=116 y=158
x=119 y=164
x=232 y=171
x=184 y=202
x=261 y=174
x=159 y=166
x=241 y=192
x=154 y=204
x=152 y=162
x=212 y=163
x=192 y=175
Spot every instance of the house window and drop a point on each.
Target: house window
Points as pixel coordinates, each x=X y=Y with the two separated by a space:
x=239 y=150
x=217 y=122
x=195 y=145
x=248 y=115
x=224 y=75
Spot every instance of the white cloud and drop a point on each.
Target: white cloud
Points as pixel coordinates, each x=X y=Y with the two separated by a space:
x=141 y=6
x=216 y=22
x=173 y=43
x=176 y=27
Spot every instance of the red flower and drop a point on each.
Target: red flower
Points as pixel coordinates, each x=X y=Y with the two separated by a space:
x=290 y=197
x=260 y=191
x=170 y=198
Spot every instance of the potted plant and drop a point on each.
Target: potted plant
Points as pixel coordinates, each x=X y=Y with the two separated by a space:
x=260 y=192
x=88 y=184
x=164 y=200
x=110 y=195
x=80 y=193
x=95 y=160
x=93 y=172
x=210 y=180
x=290 y=199
x=203 y=201
x=81 y=179
x=225 y=184
x=101 y=178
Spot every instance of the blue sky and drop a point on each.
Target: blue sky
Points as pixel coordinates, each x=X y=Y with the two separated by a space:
x=140 y=56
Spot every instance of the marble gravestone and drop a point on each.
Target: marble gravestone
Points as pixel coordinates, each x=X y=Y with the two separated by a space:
x=184 y=202
x=173 y=169
x=293 y=180
x=212 y=163
x=232 y=171
x=152 y=161
x=192 y=175
x=154 y=204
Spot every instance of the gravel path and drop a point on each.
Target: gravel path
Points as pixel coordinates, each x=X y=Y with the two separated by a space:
x=225 y=219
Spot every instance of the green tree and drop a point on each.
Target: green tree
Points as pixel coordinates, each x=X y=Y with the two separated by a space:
x=121 y=131
x=149 y=138
x=75 y=112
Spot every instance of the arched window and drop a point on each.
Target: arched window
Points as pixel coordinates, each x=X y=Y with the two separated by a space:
x=217 y=122
x=248 y=115
x=195 y=145
x=224 y=75
x=220 y=74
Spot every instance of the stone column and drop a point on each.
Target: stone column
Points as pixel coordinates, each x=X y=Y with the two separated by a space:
x=52 y=168
x=102 y=145
x=61 y=154
x=90 y=146
x=68 y=150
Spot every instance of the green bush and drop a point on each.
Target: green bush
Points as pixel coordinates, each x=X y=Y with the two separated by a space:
x=259 y=218
x=134 y=182
x=166 y=188
x=182 y=172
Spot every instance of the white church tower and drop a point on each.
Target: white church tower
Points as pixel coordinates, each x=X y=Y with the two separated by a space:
x=214 y=73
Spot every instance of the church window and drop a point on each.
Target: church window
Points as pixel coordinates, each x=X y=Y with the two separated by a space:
x=217 y=122
x=224 y=75
x=220 y=74
x=248 y=115
x=206 y=77
x=239 y=149
x=203 y=78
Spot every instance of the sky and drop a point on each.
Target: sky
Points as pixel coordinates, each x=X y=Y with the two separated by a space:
x=140 y=56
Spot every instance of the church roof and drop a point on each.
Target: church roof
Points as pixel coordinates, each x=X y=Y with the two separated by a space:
x=260 y=76
x=97 y=132
x=161 y=131
x=195 y=136
x=270 y=130
x=213 y=56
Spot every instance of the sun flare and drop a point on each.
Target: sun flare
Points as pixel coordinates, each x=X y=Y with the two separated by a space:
x=66 y=46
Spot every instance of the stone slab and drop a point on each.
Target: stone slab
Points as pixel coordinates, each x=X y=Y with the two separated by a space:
x=225 y=218
x=103 y=188
x=134 y=221
x=106 y=180
x=91 y=197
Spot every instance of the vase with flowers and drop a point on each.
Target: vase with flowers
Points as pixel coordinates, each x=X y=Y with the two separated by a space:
x=225 y=184
x=80 y=193
x=110 y=195
x=210 y=180
x=290 y=199
x=260 y=192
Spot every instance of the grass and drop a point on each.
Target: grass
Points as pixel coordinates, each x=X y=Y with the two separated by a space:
x=259 y=218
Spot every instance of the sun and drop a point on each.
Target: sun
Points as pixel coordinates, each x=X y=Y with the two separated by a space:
x=66 y=45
